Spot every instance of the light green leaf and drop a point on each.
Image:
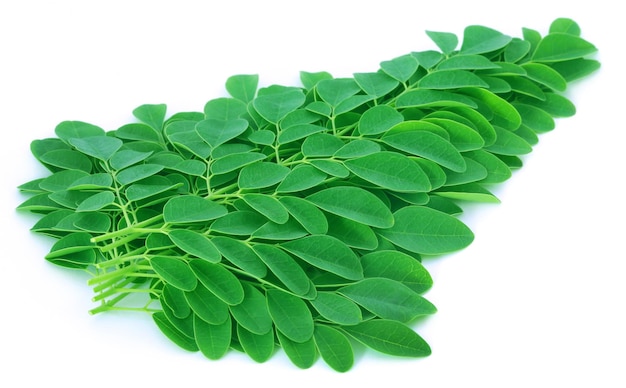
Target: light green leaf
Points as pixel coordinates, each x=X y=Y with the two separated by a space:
x=352 y=233
x=259 y=347
x=446 y=41
x=212 y=340
x=467 y=62
x=331 y=167
x=290 y=314
x=388 y=299
x=252 y=312
x=559 y=46
x=224 y=109
x=100 y=147
x=267 y=205
x=125 y=158
x=397 y=266
x=376 y=84
x=309 y=80
x=451 y=79
x=504 y=113
x=389 y=337
x=334 y=91
x=175 y=272
x=286 y=269
x=301 y=178
x=135 y=173
x=426 y=231
x=400 y=68
x=240 y=254
x=301 y=354
x=480 y=40
x=139 y=132
x=274 y=103
x=152 y=115
x=239 y=223
x=206 y=305
x=96 y=202
x=565 y=25
x=216 y=132
x=354 y=203
x=242 y=86
x=427 y=145
x=171 y=332
x=195 y=244
x=427 y=98
x=67 y=130
x=545 y=75
x=217 y=279
x=508 y=143
x=327 y=253
x=67 y=159
x=390 y=170
x=336 y=308
x=378 y=119
x=190 y=208
x=298 y=132
x=306 y=213
x=334 y=348
x=261 y=174
x=321 y=145
x=235 y=161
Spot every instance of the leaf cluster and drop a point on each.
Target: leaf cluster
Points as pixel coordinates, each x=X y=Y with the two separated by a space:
x=297 y=217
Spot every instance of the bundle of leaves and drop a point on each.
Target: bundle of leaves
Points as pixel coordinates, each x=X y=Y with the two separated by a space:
x=297 y=217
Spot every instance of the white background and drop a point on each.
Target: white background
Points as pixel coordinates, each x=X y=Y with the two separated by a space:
x=537 y=300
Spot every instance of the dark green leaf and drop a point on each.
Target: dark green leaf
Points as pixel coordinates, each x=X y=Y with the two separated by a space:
x=219 y=280
x=196 y=244
x=336 y=308
x=334 y=348
x=240 y=254
x=397 y=266
x=290 y=314
x=389 y=337
x=212 y=340
x=252 y=312
x=390 y=170
x=259 y=347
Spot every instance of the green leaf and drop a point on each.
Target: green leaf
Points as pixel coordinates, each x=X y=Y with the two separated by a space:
x=505 y=115
x=334 y=348
x=175 y=272
x=331 y=167
x=138 y=131
x=125 y=158
x=427 y=98
x=565 y=25
x=397 y=266
x=235 y=161
x=195 y=244
x=334 y=91
x=275 y=103
x=243 y=86
x=327 y=253
x=100 y=147
x=136 y=173
x=467 y=62
x=336 y=308
x=259 y=347
x=174 y=298
x=67 y=130
x=240 y=254
x=306 y=213
x=427 y=145
x=516 y=50
x=535 y=118
x=216 y=132
x=149 y=187
x=390 y=170
x=480 y=40
x=286 y=269
x=400 y=68
x=218 y=280
x=388 y=299
x=151 y=114
x=446 y=41
x=301 y=178
x=301 y=354
x=239 y=223
x=212 y=340
x=290 y=314
x=224 y=109
x=426 y=231
x=389 y=337
x=171 y=332
x=96 y=202
x=497 y=170
x=576 y=68
x=545 y=75
x=252 y=312
x=559 y=46
x=473 y=173
x=61 y=180
x=376 y=84
x=378 y=120
x=508 y=143
x=206 y=305
x=451 y=79
x=357 y=148
x=354 y=234
x=259 y=175
x=321 y=145
x=309 y=80
x=67 y=159
x=298 y=132
x=268 y=206
x=190 y=208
